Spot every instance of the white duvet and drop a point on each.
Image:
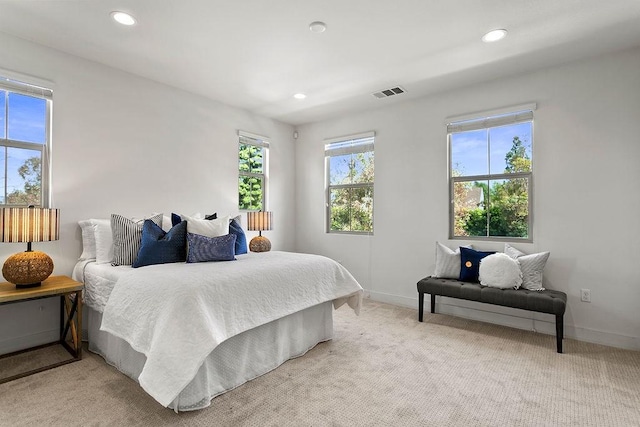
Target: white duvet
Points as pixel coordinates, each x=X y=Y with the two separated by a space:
x=176 y=314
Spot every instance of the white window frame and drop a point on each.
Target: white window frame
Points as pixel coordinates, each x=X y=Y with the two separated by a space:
x=351 y=144
x=11 y=82
x=247 y=138
x=487 y=120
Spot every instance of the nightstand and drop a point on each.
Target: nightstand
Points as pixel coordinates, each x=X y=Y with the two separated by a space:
x=70 y=293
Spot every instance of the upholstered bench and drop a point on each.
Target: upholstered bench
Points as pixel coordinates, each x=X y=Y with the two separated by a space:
x=547 y=301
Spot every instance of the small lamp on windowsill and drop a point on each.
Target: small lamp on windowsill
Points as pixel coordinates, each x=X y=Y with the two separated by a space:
x=260 y=221
x=28 y=269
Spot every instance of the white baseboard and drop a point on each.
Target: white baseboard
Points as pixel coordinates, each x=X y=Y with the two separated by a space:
x=512 y=317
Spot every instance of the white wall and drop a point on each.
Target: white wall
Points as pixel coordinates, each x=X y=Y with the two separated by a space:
x=586 y=199
x=124 y=144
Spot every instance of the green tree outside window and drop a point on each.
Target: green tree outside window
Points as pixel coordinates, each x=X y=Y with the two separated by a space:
x=251 y=179
x=491 y=183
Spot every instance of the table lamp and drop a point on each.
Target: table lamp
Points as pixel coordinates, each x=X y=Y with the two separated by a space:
x=28 y=269
x=259 y=221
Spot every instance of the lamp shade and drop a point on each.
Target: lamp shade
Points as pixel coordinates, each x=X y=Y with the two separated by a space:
x=29 y=224
x=260 y=221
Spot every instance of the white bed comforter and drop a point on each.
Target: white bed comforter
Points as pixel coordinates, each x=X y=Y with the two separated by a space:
x=176 y=314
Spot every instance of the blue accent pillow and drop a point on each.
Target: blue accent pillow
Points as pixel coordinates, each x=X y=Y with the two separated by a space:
x=175 y=218
x=203 y=248
x=158 y=247
x=241 y=239
x=470 y=263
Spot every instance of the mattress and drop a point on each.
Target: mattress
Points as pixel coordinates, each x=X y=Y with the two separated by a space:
x=99 y=280
x=235 y=361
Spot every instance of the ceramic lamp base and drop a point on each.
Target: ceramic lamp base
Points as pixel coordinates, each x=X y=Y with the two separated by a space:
x=27 y=269
x=259 y=244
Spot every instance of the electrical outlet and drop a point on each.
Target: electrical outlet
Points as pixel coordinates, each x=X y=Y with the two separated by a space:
x=585 y=295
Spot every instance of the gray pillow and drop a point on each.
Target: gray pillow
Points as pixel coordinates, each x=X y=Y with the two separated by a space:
x=447 y=262
x=531 y=266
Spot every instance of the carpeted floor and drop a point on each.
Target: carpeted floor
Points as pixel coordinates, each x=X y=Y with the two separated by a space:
x=382 y=368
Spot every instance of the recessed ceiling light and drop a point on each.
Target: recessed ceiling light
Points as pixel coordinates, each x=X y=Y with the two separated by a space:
x=494 y=36
x=299 y=96
x=123 y=18
x=317 y=27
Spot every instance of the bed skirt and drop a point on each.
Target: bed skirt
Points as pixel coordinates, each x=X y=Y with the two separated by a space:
x=234 y=362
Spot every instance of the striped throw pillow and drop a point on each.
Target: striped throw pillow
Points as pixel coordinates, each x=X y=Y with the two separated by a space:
x=127 y=234
x=531 y=266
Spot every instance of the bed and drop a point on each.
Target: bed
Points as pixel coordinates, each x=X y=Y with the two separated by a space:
x=190 y=332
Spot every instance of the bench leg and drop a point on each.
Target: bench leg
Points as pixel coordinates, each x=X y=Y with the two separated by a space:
x=433 y=303
x=559 y=331
x=420 y=305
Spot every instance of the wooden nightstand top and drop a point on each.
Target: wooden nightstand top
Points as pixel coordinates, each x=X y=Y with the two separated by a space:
x=54 y=285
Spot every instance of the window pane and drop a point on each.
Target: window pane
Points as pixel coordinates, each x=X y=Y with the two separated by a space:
x=470 y=216
x=3 y=152
x=469 y=153
x=509 y=208
x=3 y=105
x=351 y=209
x=27 y=118
x=340 y=209
x=243 y=157
x=511 y=148
x=362 y=209
x=24 y=177
x=250 y=193
x=339 y=169
x=255 y=159
x=362 y=167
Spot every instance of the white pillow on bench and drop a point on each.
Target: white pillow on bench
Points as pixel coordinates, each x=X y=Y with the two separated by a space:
x=500 y=271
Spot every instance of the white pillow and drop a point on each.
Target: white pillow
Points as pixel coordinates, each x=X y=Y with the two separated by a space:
x=166 y=223
x=88 y=240
x=500 y=271
x=530 y=265
x=104 y=240
x=447 y=262
x=207 y=227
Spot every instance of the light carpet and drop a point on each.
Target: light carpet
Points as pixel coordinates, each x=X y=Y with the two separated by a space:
x=382 y=368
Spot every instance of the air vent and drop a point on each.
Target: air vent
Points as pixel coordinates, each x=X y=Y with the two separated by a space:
x=389 y=92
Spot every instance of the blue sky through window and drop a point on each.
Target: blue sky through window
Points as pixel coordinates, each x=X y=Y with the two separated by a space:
x=339 y=168
x=482 y=152
x=27 y=118
x=23 y=118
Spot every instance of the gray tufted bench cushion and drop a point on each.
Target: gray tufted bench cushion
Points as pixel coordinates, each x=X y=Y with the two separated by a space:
x=547 y=301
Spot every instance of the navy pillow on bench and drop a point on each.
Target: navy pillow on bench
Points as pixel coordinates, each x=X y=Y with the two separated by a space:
x=470 y=263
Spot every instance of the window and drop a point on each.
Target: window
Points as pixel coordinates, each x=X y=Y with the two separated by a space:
x=252 y=166
x=349 y=163
x=490 y=173
x=25 y=138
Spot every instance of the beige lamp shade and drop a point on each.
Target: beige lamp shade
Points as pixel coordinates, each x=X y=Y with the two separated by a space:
x=28 y=269
x=259 y=221
x=29 y=224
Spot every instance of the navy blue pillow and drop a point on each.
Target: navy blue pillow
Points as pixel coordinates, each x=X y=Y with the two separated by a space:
x=175 y=218
x=203 y=248
x=158 y=247
x=470 y=263
x=241 y=239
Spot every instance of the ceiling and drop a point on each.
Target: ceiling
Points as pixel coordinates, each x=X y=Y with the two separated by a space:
x=256 y=54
